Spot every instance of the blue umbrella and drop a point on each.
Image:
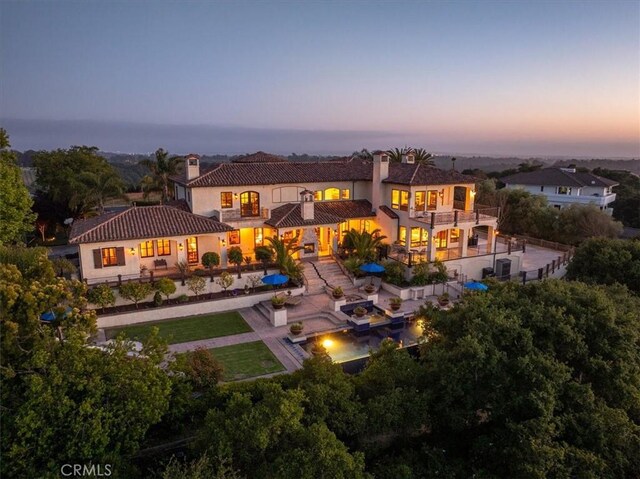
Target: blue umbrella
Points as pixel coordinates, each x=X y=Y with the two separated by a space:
x=275 y=279
x=372 y=268
x=51 y=316
x=476 y=286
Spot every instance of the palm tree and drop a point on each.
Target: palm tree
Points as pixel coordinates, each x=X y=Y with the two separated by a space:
x=363 y=154
x=283 y=251
x=363 y=244
x=423 y=157
x=161 y=169
x=395 y=155
x=102 y=185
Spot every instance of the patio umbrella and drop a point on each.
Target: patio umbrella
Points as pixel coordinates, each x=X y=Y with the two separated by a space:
x=476 y=286
x=275 y=279
x=51 y=316
x=372 y=268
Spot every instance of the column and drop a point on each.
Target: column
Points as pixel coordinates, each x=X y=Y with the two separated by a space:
x=431 y=246
x=464 y=238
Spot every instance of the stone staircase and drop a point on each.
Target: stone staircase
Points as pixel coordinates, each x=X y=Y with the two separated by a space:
x=325 y=272
x=315 y=284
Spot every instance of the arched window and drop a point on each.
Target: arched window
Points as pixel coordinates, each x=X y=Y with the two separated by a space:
x=250 y=203
x=332 y=194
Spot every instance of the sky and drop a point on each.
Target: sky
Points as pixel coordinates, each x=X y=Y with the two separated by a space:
x=494 y=78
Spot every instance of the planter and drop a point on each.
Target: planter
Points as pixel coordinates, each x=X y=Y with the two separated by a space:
x=394 y=307
x=369 y=289
x=359 y=312
x=277 y=306
x=337 y=296
x=443 y=302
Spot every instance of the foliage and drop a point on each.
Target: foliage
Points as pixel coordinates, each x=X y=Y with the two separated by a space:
x=395 y=155
x=201 y=468
x=225 y=280
x=338 y=292
x=607 y=261
x=527 y=381
x=423 y=157
x=209 y=260
x=626 y=207
x=75 y=181
x=396 y=301
x=102 y=296
x=265 y=255
x=196 y=285
x=135 y=291
x=165 y=286
x=363 y=244
x=296 y=328
x=352 y=264
x=161 y=169
x=394 y=272
x=202 y=369
x=33 y=263
x=63 y=266
x=254 y=280
x=577 y=223
x=15 y=200
x=236 y=257
x=184 y=268
x=157 y=299
x=278 y=300
x=282 y=251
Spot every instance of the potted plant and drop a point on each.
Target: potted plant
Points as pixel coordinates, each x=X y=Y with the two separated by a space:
x=443 y=299
x=359 y=311
x=395 y=303
x=278 y=302
x=369 y=288
x=337 y=292
x=296 y=328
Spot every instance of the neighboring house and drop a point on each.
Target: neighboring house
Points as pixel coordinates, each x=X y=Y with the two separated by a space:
x=566 y=186
x=422 y=210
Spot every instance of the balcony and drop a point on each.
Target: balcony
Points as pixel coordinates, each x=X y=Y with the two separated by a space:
x=598 y=200
x=228 y=215
x=457 y=217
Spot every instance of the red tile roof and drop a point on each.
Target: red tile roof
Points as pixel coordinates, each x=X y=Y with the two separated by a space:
x=419 y=174
x=259 y=157
x=325 y=213
x=389 y=212
x=143 y=222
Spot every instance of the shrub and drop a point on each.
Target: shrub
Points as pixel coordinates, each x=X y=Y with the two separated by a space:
x=224 y=280
x=157 y=299
x=236 y=257
x=165 y=286
x=102 y=295
x=278 y=301
x=265 y=255
x=183 y=298
x=352 y=264
x=394 y=272
x=210 y=260
x=360 y=311
x=337 y=292
x=135 y=292
x=196 y=285
x=202 y=368
x=296 y=328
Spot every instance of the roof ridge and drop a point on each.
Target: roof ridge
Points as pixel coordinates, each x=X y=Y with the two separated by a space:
x=293 y=207
x=574 y=178
x=414 y=173
x=108 y=220
x=206 y=173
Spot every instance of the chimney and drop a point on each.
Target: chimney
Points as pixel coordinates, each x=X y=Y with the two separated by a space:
x=192 y=166
x=409 y=157
x=306 y=205
x=380 y=172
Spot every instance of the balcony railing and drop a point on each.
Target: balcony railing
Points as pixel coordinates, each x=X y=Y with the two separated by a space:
x=458 y=216
x=235 y=214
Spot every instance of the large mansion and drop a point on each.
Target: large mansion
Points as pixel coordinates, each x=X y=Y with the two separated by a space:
x=425 y=213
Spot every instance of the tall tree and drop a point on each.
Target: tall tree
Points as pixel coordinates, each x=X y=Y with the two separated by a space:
x=395 y=155
x=160 y=169
x=15 y=201
x=363 y=244
x=423 y=157
x=102 y=185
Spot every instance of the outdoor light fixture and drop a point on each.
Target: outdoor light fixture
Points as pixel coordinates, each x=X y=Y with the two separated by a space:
x=235 y=196
x=180 y=246
x=473 y=193
x=441 y=193
x=223 y=242
x=327 y=343
x=132 y=251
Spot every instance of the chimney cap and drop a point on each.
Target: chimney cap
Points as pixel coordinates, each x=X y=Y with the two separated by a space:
x=306 y=192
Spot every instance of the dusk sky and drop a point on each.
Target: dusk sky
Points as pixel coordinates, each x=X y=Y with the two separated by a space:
x=538 y=78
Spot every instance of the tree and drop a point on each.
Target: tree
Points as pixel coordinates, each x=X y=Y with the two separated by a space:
x=102 y=185
x=626 y=207
x=196 y=285
x=265 y=255
x=165 y=286
x=210 y=260
x=135 y=291
x=395 y=155
x=580 y=222
x=235 y=257
x=203 y=370
x=102 y=296
x=224 y=280
x=423 y=157
x=282 y=251
x=63 y=266
x=160 y=171
x=15 y=201
x=607 y=261
x=363 y=244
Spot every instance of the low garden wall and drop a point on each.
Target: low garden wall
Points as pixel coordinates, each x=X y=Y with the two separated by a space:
x=188 y=309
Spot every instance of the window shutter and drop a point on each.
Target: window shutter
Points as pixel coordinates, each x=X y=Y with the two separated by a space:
x=120 y=256
x=97 y=258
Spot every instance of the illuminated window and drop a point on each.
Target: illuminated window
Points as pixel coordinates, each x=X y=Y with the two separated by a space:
x=164 y=247
x=395 y=199
x=192 y=250
x=146 y=249
x=249 y=204
x=441 y=239
x=432 y=199
x=420 y=200
x=404 y=200
x=332 y=194
x=415 y=237
x=366 y=226
x=454 y=237
x=425 y=237
x=258 y=236
x=317 y=195
x=346 y=194
x=402 y=237
x=109 y=257
x=234 y=237
x=289 y=235
x=226 y=199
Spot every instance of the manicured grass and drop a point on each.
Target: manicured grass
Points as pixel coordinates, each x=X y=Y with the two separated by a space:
x=246 y=360
x=188 y=329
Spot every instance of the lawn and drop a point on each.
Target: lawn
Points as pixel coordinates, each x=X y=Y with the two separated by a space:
x=246 y=360
x=191 y=328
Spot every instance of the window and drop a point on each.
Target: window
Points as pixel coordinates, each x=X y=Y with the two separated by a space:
x=558 y=207
x=109 y=257
x=432 y=200
x=164 y=247
x=420 y=200
x=395 y=199
x=289 y=235
x=234 y=237
x=415 y=237
x=146 y=249
x=192 y=250
x=404 y=200
x=226 y=199
x=441 y=239
x=454 y=237
x=425 y=237
x=542 y=188
x=402 y=237
x=366 y=226
x=346 y=194
x=258 y=236
x=332 y=194
x=317 y=195
x=564 y=190
x=249 y=204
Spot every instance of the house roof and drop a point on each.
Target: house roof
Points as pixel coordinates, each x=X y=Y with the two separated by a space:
x=557 y=177
x=260 y=157
x=389 y=212
x=419 y=174
x=328 y=212
x=143 y=222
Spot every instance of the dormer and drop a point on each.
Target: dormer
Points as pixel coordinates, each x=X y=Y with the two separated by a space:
x=192 y=166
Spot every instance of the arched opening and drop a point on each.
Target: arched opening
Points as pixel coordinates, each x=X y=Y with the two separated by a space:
x=332 y=194
x=250 y=203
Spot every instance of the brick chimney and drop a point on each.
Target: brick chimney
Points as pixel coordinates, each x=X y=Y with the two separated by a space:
x=380 y=172
x=191 y=166
x=306 y=205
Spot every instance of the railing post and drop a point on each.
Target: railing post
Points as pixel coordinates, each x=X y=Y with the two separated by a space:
x=547 y=270
x=553 y=266
x=151 y=277
x=477 y=216
x=524 y=277
x=509 y=247
x=119 y=280
x=433 y=220
x=540 y=273
x=524 y=246
x=455 y=218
